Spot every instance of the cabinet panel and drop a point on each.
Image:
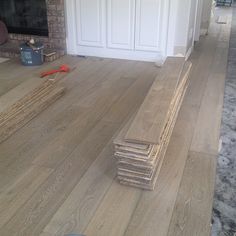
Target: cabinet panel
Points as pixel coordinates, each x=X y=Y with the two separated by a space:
x=125 y=29
x=147 y=36
x=90 y=22
x=120 y=23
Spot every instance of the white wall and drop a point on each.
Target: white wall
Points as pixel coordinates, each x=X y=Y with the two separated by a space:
x=192 y=25
x=181 y=36
x=198 y=20
x=184 y=26
x=206 y=15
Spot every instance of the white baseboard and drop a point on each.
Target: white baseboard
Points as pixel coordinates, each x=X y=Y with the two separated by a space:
x=120 y=54
x=189 y=52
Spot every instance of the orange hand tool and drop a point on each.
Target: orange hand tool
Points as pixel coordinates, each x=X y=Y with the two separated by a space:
x=62 y=68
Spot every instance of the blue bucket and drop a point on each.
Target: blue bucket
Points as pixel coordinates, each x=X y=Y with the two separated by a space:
x=31 y=56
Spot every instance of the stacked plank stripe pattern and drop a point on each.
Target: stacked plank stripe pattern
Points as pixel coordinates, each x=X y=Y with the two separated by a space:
x=141 y=145
x=20 y=112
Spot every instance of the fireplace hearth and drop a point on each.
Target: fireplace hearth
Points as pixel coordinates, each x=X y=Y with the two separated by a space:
x=47 y=25
x=25 y=16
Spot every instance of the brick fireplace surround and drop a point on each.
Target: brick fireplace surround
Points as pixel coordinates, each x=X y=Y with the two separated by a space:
x=56 y=40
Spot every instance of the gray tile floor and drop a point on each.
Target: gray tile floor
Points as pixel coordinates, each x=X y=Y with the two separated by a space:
x=224 y=209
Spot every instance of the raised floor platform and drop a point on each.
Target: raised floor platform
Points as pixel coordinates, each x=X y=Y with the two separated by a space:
x=11 y=50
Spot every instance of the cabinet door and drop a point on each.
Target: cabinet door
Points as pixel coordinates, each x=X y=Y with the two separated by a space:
x=147 y=35
x=90 y=22
x=120 y=23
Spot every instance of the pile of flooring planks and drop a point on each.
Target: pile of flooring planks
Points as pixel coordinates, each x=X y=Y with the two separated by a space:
x=141 y=145
x=25 y=102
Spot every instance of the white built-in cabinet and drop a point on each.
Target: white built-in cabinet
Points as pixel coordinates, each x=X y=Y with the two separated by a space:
x=120 y=24
x=129 y=29
x=90 y=22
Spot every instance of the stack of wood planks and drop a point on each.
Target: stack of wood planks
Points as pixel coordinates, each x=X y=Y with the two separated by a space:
x=141 y=145
x=24 y=102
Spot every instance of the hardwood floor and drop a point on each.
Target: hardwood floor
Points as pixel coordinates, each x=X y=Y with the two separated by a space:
x=194 y=201
x=57 y=174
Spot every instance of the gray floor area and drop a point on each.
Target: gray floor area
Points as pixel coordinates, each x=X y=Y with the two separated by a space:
x=224 y=209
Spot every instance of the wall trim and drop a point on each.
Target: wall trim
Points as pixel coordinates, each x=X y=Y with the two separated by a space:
x=189 y=52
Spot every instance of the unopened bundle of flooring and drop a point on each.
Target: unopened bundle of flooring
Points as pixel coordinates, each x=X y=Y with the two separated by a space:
x=141 y=145
x=17 y=110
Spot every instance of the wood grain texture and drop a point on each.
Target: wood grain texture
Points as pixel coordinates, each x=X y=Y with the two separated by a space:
x=193 y=207
x=52 y=193
x=207 y=131
x=13 y=74
x=55 y=190
x=152 y=178
x=131 y=97
x=113 y=209
x=154 y=210
x=12 y=198
x=25 y=110
x=140 y=167
x=77 y=130
x=76 y=212
x=202 y=65
x=149 y=122
x=8 y=99
x=21 y=149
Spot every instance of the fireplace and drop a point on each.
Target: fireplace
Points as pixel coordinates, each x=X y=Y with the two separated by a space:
x=25 y=16
x=43 y=20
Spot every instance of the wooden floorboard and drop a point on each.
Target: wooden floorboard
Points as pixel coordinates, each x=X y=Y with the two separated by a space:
x=207 y=130
x=13 y=73
x=57 y=173
x=148 y=124
x=154 y=209
x=52 y=122
x=8 y=99
x=115 y=84
x=16 y=195
x=34 y=215
x=193 y=207
x=95 y=110
x=76 y=212
x=73 y=209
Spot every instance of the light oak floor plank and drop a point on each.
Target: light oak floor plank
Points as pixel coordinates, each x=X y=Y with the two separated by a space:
x=48 y=124
x=58 y=186
x=147 y=126
x=207 y=130
x=18 y=193
x=73 y=208
x=113 y=215
x=75 y=213
x=153 y=212
x=102 y=94
x=14 y=73
x=193 y=207
x=96 y=104
x=154 y=209
x=34 y=215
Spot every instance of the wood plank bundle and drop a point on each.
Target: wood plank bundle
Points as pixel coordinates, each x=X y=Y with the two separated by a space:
x=141 y=145
x=27 y=107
